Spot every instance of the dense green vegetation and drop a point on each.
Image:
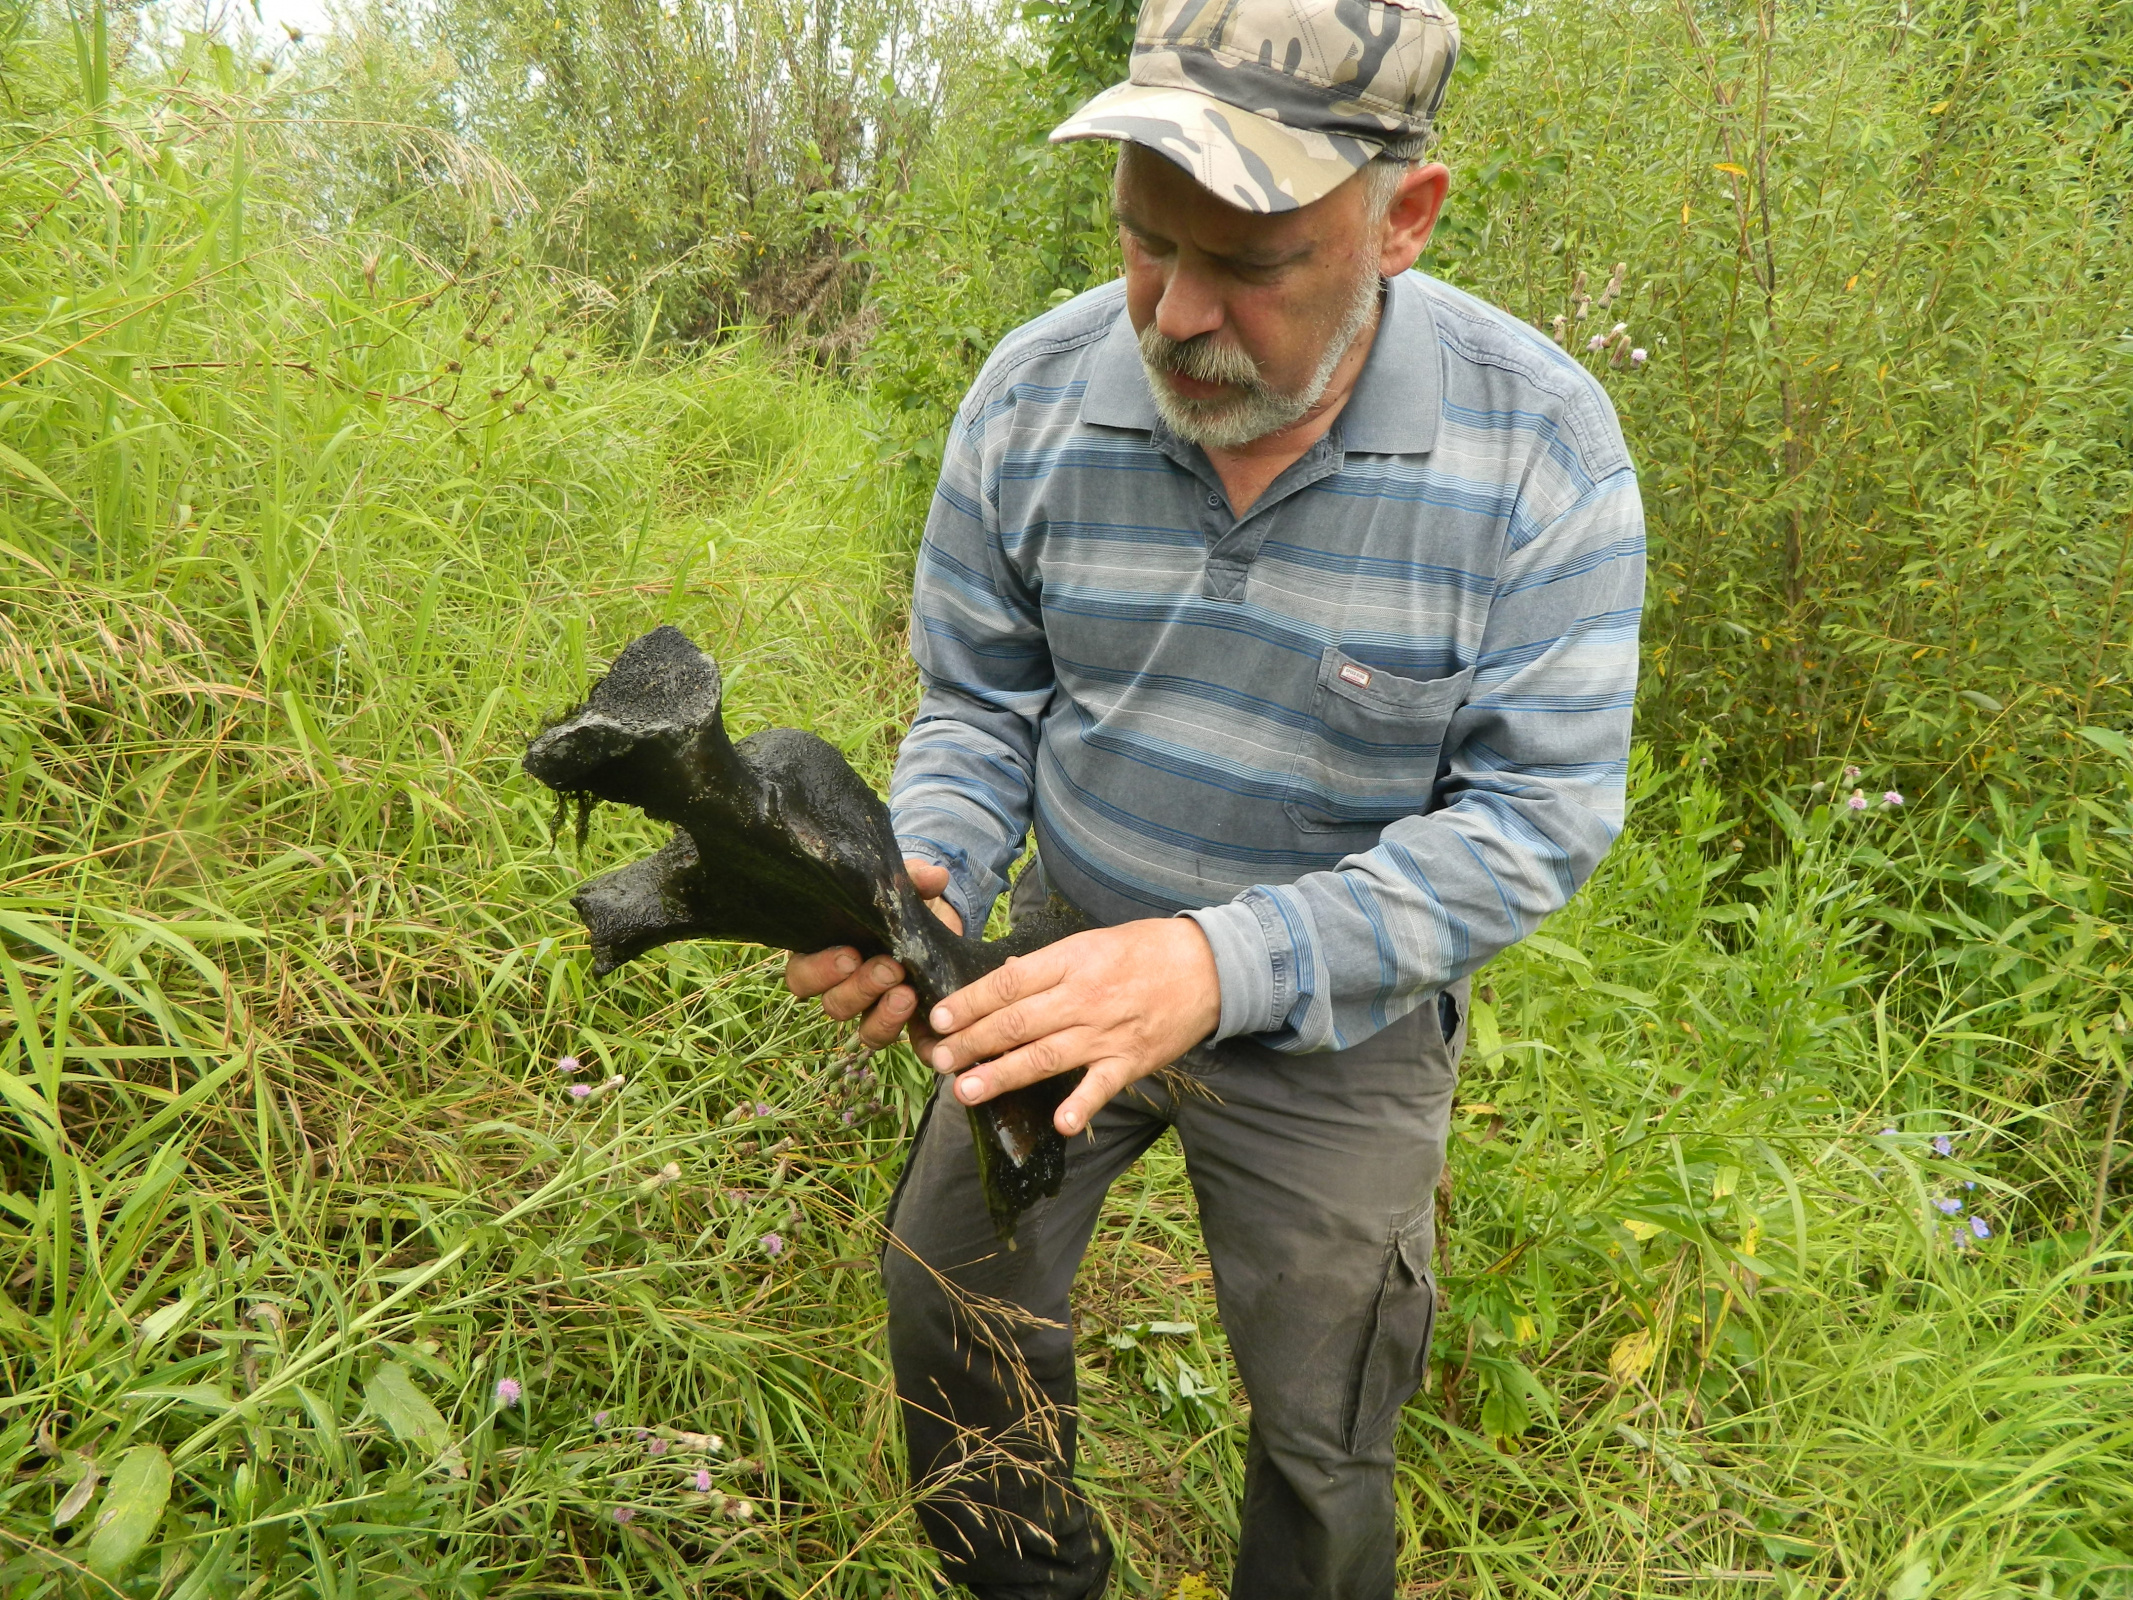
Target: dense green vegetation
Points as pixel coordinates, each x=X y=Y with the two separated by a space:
x=352 y=413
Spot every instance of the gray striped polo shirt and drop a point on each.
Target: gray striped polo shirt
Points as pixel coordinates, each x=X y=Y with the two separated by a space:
x=1366 y=735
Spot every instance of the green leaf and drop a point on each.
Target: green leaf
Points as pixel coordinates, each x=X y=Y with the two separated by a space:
x=26 y=469
x=393 y=1398
x=133 y=1506
x=157 y=1324
x=1567 y=954
x=2110 y=741
x=1982 y=700
x=204 y=1395
x=1912 y=1582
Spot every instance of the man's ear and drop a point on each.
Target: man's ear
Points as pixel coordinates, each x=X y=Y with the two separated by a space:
x=1416 y=205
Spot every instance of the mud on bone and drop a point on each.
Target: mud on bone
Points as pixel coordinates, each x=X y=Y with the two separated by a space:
x=777 y=841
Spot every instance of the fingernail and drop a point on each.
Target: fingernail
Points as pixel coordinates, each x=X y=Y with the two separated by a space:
x=1069 y=1122
x=897 y=1002
x=943 y=1020
x=847 y=963
x=884 y=972
x=970 y=1088
x=944 y=1060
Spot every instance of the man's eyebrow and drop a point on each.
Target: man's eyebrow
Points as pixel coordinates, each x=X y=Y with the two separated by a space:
x=1126 y=219
x=1259 y=259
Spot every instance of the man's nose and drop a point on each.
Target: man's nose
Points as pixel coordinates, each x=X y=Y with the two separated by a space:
x=1187 y=308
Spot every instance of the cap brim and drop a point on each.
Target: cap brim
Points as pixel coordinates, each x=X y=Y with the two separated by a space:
x=1241 y=158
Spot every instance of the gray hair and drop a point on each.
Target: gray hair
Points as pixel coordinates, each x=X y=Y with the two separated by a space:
x=1381 y=182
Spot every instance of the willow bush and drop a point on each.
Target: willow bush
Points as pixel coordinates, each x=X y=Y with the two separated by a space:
x=1878 y=256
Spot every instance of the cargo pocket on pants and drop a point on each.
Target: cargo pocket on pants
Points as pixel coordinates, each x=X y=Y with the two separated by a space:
x=1393 y=1357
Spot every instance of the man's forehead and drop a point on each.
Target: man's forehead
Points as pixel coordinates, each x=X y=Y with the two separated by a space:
x=1156 y=196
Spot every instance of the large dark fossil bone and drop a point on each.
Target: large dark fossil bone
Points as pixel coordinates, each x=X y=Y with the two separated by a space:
x=777 y=841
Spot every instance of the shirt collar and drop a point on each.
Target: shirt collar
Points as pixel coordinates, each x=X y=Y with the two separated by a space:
x=1393 y=411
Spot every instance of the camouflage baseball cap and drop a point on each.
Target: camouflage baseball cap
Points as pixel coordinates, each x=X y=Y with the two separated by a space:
x=1271 y=104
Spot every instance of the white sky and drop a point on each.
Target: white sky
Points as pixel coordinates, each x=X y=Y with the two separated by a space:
x=273 y=15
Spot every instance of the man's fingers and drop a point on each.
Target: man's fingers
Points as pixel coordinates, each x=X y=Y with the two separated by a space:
x=1095 y=1091
x=1021 y=977
x=862 y=988
x=993 y=1036
x=886 y=1020
x=821 y=971
x=1033 y=1062
x=931 y=881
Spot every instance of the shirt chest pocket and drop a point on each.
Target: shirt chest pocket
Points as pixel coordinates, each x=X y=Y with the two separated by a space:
x=1372 y=752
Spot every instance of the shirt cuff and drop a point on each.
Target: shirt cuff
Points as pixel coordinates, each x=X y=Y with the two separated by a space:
x=1244 y=964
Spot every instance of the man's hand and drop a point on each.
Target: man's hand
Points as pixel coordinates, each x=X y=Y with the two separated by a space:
x=875 y=993
x=1121 y=1001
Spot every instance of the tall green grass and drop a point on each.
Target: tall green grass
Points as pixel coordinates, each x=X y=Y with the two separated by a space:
x=297 y=545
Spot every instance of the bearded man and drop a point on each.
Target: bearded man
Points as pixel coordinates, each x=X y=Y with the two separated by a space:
x=1291 y=598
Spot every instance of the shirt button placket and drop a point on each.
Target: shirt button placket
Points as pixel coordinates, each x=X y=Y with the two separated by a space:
x=1225 y=576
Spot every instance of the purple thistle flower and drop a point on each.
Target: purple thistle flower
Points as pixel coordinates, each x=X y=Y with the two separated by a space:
x=703 y=1480
x=1597 y=342
x=578 y=1091
x=1892 y=798
x=763 y=1108
x=1851 y=774
x=600 y=1418
x=625 y=1513
x=655 y=1447
x=569 y=1064
x=1980 y=1227
x=1948 y=1208
x=1639 y=356
x=1888 y=1133
x=1858 y=800
x=508 y=1391
x=847 y=1119
x=1943 y=1145
x=773 y=1244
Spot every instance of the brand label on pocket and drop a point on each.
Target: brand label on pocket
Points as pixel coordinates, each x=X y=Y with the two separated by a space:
x=1359 y=676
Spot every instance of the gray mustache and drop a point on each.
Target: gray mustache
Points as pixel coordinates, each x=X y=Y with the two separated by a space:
x=1201 y=359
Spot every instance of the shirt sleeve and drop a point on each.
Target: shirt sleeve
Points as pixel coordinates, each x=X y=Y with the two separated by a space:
x=1538 y=763
x=962 y=791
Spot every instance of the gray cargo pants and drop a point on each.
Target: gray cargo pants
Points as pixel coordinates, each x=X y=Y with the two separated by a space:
x=1315 y=1178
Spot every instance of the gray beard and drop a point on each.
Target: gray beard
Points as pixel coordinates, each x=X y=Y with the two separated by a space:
x=1261 y=409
